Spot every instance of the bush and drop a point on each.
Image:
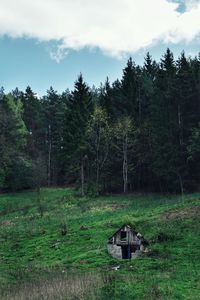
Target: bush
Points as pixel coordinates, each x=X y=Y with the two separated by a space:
x=20 y=174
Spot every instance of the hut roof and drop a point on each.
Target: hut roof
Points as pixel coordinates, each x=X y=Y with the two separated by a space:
x=124 y=225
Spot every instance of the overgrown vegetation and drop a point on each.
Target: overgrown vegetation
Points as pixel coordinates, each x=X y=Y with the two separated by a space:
x=62 y=253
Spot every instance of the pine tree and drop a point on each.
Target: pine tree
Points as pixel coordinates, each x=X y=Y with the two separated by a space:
x=80 y=107
x=129 y=90
x=105 y=98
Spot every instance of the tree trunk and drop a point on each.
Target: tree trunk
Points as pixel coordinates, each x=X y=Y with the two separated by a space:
x=97 y=161
x=49 y=158
x=180 y=126
x=40 y=207
x=181 y=184
x=82 y=178
x=139 y=176
x=97 y=180
x=140 y=107
x=125 y=164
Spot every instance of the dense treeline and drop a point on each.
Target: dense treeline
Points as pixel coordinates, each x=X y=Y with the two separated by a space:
x=139 y=133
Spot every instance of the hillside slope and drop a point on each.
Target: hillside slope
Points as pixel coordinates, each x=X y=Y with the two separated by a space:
x=55 y=247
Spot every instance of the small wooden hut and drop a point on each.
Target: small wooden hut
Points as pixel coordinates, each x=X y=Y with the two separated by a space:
x=126 y=243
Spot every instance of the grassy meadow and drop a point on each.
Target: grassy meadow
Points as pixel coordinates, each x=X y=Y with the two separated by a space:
x=55 y=247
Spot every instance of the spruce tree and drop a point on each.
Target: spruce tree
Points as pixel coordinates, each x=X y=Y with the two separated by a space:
x=80 y=107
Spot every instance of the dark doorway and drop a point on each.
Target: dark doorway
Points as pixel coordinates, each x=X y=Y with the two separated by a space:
x=126 y=252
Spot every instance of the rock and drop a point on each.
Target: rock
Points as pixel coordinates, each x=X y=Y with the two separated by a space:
x=115 y=268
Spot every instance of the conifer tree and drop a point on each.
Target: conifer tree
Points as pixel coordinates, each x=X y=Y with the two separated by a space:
x=129 y=87
x=80 y=107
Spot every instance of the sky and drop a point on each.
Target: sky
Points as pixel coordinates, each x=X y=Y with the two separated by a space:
x=47 y=43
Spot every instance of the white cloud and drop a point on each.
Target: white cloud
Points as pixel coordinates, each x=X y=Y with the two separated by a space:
x=115 y=26
x=190 y=4
x=187 y=25
x=59 y=53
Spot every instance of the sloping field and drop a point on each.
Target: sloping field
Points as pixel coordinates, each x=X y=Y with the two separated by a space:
x=55 y=247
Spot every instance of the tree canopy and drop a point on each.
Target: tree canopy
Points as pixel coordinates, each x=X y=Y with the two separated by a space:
x=138 y=133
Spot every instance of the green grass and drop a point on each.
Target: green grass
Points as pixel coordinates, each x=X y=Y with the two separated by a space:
x=32 y=246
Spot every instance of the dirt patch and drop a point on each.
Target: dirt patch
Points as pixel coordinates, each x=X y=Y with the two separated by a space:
x=119 y=206
x=115 y=206
x=6 y=223
x=185 y=213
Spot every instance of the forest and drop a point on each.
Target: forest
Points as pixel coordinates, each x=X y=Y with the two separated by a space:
x=139 y=133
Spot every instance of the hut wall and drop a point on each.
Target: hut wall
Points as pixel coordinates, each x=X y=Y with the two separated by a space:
x=115 y=251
